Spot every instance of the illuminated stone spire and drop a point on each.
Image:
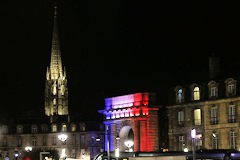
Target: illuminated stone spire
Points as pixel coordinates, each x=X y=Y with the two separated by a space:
x=56 y=62
x=56 y=90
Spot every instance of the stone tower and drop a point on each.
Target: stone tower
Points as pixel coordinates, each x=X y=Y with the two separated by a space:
x=56 y=91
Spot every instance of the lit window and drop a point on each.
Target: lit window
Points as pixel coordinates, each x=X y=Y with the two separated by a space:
x=232 y=140
x=54 y=101
x=54 y=88
x=73 y=127
x=64 y=127
x=231 y=113
x=214 y=118
x=179 y=96
x=214 y=141
x=54 y=128
x=181 y=118
x=19 y=129
x=196 y=94
x=197 y=117
x=181 y=143
x=62 y=90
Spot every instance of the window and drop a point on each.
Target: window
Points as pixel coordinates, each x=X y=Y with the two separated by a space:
x=230 y=87
x=181 y=144
x=232 y=140
x=54 y=101
x=214 y=118
x=54 y=128
x=73 y=139
x=4 y=129
x=4 y=141
x=64 y=127
x=213 y=91
x=44 y=128
x=214 y=141
x=82 y=139
x=82 y=127
x=197 y=117
x=180 y=96
x=34 y=141
x=73 y=153
x=34 y=128
x=19 y=141
x=231 y=114
x=19 y=129
x=54 y=88
x=181 y=118
x=44 y=142
x=196 y=94
x=73 y=127
x=54 y=140
x=199 y=141
x=62 y=90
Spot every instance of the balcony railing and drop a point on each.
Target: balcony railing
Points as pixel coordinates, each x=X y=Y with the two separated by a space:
x=231 y=119
x=180 y=123
x=214 y=120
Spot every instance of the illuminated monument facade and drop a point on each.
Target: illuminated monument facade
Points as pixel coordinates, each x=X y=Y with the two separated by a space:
x=56 y=91
x=131 y=118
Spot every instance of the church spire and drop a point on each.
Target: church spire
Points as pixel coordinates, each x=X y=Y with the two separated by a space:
x=56 y=63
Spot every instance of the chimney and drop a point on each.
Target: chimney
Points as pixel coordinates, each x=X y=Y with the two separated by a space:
x=214 y=66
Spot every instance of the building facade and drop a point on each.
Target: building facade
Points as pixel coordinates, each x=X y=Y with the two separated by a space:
x=82 y=140
x=212 y=108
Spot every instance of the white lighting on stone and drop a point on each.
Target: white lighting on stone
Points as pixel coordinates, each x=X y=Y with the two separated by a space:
x=185 y=150
x=28 y=148
x=193 y=133
x=62 y=137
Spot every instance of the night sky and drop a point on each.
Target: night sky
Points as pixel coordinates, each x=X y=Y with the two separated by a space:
x=112 y=48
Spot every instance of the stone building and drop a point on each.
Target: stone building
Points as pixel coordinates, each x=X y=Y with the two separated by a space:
x=84 y=139
x=211 y=107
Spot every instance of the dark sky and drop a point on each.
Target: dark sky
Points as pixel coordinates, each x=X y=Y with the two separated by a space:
x=112 y=48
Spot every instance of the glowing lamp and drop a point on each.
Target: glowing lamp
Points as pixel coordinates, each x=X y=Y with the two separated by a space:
x=28 y=148
x=214 y=135
x=185 y=150
x=62 y=137
x=129 y=143
x=16 y=154
x=117 y=152
x=193 y=133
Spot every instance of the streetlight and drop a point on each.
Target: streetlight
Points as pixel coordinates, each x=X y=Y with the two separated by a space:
x=117 y=149
x=193 y=135
x=63 y=138
x=108 y=143
x=28 y=149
